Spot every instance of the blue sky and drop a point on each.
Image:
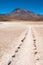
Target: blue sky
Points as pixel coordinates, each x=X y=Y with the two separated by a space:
x=32 y=5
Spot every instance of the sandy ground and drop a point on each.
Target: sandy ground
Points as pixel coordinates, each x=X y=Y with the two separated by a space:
x=25 y=55
x=39 y=44
x=29 y=39
x=9 y=36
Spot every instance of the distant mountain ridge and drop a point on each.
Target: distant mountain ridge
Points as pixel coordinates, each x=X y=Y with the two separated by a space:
x=21 y=14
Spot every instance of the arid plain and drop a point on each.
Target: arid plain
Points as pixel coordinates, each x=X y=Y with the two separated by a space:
x=21 y=43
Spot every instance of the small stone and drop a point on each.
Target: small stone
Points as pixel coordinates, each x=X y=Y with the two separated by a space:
x=37 y=59
x=36 y=52
x=18 y=47
x=23 y=39
x=34 y=40
x=35 y=48
x=34 y=45
x=9 y=63
x=13 y=56
x=16 y=51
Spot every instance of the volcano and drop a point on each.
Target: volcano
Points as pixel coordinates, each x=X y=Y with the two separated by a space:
x=21 y=14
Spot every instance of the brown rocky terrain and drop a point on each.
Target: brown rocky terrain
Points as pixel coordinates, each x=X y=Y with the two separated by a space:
x=21 y=14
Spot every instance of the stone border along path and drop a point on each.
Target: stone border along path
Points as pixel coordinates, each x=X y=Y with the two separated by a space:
x=13 y=56
x=36 y=58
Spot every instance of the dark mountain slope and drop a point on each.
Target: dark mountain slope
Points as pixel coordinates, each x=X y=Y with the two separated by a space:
x=20 y=14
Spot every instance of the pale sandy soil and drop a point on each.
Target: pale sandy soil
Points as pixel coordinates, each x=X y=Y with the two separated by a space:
x=25 y=55
x=9 y=35
x=38 y=31
x=30 y=53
